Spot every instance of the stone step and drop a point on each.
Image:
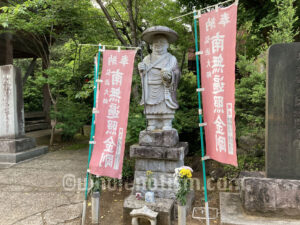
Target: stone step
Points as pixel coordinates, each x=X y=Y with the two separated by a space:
x=38 y=126
x=32 y=115
x=31 y=122
x=21 y=156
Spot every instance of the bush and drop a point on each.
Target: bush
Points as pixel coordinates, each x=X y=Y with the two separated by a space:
x=71 y=116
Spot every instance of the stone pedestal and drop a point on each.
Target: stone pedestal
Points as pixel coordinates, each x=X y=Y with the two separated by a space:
x=232 y=213
x=271 y=197
x=14 y=146
x=269 y=200
x=161 y=152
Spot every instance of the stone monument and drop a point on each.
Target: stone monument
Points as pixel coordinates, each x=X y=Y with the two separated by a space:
x=274 y=197
x=159 y=149
x=14 y=145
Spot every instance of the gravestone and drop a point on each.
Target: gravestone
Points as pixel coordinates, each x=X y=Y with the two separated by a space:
x=14 y=145
x=283 y=112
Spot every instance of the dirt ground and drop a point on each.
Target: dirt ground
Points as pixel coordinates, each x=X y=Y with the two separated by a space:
x=111 y=205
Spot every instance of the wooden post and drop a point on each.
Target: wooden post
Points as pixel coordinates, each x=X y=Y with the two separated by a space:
x=6 y=56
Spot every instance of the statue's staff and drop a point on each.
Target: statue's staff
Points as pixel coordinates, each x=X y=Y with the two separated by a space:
x=143 y=73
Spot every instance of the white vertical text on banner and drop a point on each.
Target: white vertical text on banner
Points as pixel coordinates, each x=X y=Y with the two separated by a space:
x=218 y=42
x=112 y=113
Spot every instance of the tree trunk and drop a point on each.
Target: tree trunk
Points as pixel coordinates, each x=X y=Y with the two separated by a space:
x=46 y=94
x=111 y=22
x=132 y=23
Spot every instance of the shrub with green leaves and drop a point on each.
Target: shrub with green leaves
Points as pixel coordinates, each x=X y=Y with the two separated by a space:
x=71 y=116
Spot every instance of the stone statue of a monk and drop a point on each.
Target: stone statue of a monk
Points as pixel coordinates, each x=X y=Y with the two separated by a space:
x=160 y=76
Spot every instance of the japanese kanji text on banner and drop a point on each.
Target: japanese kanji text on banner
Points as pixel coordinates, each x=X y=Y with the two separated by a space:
x=112 y=113
x=217 y=42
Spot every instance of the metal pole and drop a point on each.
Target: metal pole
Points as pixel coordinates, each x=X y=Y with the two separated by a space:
x=201 y=120
x=92 y=135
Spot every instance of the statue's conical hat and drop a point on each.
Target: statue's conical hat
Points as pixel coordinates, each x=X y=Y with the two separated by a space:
x=149 y=33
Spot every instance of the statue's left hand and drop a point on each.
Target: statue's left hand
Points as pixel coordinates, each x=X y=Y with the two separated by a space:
x=166 y=75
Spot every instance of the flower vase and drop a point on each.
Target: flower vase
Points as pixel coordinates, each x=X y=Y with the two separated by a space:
x=149 y=196
x=181 y=214
x=95 y=207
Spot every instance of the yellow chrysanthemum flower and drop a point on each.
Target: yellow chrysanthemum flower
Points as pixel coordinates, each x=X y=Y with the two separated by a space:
x=185 y=173
x=149 y=172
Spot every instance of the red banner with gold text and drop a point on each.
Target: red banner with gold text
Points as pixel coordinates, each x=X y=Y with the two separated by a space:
x=217 y=43
x=112 y=113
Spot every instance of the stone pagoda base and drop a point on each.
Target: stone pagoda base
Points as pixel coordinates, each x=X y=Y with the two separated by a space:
x=161 y=152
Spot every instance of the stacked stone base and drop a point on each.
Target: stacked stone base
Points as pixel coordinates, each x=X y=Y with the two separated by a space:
x=273 y=201
x=16 y=150
x=161 y=152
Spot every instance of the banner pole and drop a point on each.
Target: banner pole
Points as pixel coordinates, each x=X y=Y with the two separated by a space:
x=92 y=138
x=201 y=120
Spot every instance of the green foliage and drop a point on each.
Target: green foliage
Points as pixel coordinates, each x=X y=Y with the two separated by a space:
x=184 y=189
x=32 y=95
x=246 y=162
x=128 y=169
x=71 y=116
x=250 y=88
x=136 y=123
x=283 y=29
x=250 y=97
x=97 y=183
x=183 y=177
x=186 y=117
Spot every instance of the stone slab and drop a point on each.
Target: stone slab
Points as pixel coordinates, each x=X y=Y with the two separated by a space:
x=271 y=197
x=164 y=207
x=161 y=192
x=21 y=156
x=160 y=179
x=156 y=165
x=283 y=112
x=166 y=138
x=167 y=153
x=16 y=145
x=232 y=213
x=11 y=102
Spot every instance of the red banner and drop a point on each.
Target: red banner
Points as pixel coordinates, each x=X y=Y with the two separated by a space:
x=217 y=43
x=112 y=113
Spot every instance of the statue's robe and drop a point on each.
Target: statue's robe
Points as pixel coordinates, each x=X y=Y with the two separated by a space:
x=159 y=95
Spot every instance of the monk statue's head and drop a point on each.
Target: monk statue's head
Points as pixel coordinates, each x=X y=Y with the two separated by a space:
x=160 y=44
